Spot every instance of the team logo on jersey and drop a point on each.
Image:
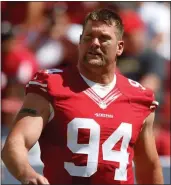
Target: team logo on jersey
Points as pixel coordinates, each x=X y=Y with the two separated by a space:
x=103 y=103
x=101 y=115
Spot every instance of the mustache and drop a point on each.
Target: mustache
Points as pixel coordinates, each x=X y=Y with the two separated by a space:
x=95 y=52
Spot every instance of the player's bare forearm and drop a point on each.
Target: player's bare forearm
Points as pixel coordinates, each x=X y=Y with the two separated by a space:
x=15 y=157
x=25 y=133
x=148 y=169
x=149 y=174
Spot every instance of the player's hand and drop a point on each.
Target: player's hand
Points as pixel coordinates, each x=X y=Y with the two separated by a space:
x=35 y=179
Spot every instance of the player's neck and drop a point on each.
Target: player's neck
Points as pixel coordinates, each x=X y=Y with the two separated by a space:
x=99 y=75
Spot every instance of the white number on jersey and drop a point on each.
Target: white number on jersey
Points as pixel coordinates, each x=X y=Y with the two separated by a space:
x=92 y=149
x=124 y=130
x=136 y=84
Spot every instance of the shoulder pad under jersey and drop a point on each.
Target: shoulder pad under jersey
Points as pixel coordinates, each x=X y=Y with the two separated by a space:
x=39 y=83
x=139 y=96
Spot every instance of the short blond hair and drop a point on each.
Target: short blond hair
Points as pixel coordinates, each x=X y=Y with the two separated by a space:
x=108 y=16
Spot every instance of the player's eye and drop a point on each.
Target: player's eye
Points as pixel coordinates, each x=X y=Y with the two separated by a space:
x=104 y=38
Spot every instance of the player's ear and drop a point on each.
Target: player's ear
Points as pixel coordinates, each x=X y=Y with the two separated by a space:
x=120 y=48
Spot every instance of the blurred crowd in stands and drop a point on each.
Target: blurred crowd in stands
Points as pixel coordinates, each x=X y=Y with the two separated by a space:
x=43 y=35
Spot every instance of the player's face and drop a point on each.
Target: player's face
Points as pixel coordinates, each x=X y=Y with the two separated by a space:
x=99 y=45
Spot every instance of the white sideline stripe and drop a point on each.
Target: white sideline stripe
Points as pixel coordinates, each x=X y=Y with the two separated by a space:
x=37 y=83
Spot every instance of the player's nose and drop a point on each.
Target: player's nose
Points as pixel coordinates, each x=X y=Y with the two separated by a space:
x=95 y=42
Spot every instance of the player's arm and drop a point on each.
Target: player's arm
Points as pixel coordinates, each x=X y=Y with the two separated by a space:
x=26 y=131
x=147 y=164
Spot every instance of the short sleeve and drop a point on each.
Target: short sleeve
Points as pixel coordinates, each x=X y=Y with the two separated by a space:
x=143 y=99
x=39 y=84
x=150 y=98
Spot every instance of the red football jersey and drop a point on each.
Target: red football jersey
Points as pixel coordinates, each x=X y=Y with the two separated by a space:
x=88 y=139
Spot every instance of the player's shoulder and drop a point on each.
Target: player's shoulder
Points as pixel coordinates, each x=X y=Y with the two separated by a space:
x=132 y=87
x=45 y=81
x=48 y=72
x=136 y=92
x=45 y=77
